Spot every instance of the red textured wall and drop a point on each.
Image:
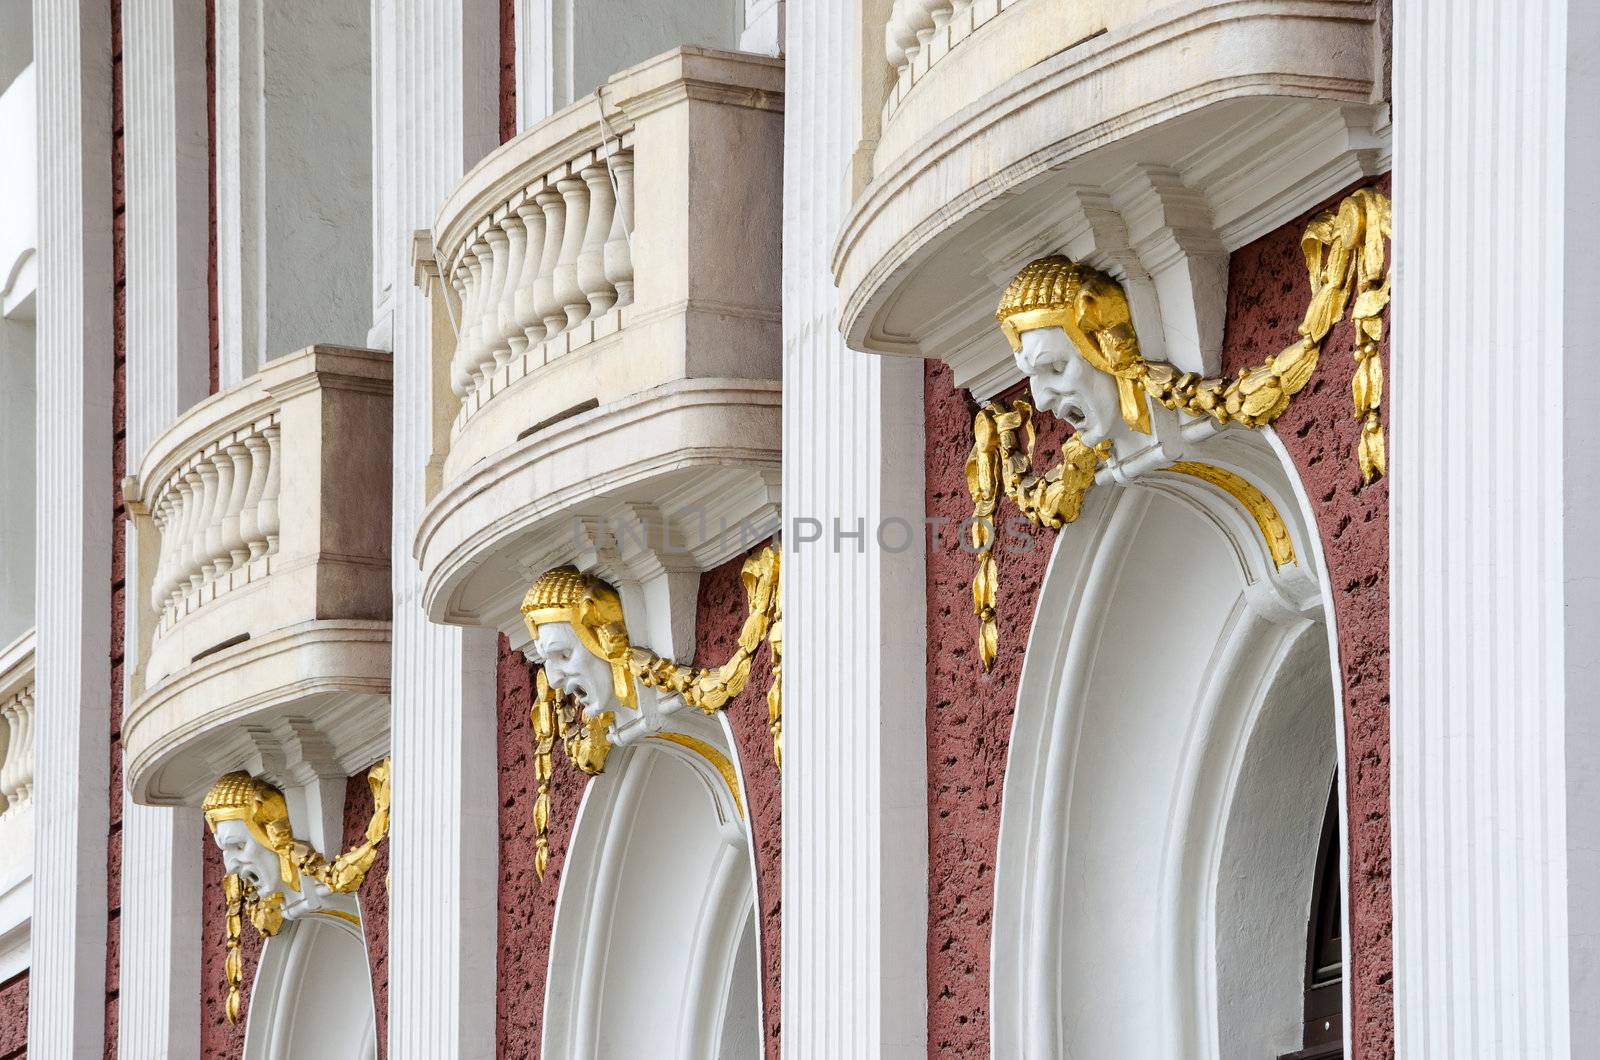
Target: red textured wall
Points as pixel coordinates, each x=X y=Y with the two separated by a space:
x=969 y=714
x=969 y=721
x=508 y=70
x=527 y=907
x=719 y=614
x=14 y=1017
x=374 y=896
x=219 y=1040
x=1267 y=295
x=119 y=519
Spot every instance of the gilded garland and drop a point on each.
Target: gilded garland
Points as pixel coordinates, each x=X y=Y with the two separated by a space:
x=593 y=610
x=1346 y=259
x=297 y=866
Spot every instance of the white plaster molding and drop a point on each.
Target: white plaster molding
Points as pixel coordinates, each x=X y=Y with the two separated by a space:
x=1169 y=227
x=168 y=354
x=312 y=994
x=1494 y=604
x=1162 y=851
x=16 y=924
x=72 y=61
x=657 y=889
x=855 y=797
x=444 y=846
x=160 y=933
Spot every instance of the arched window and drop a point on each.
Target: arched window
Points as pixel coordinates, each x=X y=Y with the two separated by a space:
x=1324 y=1020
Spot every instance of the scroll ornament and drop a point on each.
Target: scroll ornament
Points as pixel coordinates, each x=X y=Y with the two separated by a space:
x=594 y=611
x=240 y=797
x=1345 y=252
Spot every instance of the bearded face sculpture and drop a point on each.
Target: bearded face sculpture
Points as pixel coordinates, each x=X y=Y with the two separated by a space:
x=249 y=821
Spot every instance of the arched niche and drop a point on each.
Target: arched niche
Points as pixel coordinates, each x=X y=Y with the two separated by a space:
x=654 y=950
x=312 y=994
x=1176 y=728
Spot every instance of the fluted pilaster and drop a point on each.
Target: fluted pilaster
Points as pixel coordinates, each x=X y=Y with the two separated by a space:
x=72 y=57
x=1496 y=581
x=855 y=872
x=168 y=340
x=444 y=844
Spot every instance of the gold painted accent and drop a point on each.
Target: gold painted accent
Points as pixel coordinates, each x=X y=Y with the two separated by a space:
x=1345 y=257
x=238 y=796
x=594 y=611
x=1091 y=307
x=1273 y=529
x=710 y=754
x=341 y=915
x=1002 y=454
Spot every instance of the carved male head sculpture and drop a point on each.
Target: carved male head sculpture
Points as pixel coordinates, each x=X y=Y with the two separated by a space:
x=1071 y=332
x=579 y=636
x=249 y=821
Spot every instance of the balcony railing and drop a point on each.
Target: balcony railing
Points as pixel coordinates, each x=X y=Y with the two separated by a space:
x=921 y=32
x=262 y=529
x=608 y=286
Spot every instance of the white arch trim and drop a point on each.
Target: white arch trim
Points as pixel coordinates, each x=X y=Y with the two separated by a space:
x=659 y=871
x=1261 y=623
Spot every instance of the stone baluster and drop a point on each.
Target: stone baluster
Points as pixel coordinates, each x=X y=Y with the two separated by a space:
x=488 y=352
x=16 y=765
x=163 y=516
x=524 y=302
x=511 y=336
x=546 y=302
x=217 y=558
x=472 y=311
x=267 y=510
x=938 y=12
x=900 y=42
x=200 y=489
x=233 y=521
x=176 y=541
x=592 y=258
x=619 y=253
x=248 y=516
x=460 y=378
x=567 y=290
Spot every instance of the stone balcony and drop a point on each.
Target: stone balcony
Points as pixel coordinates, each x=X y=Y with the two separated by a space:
x=16 y=803
x=607 y=287
x=1148 y=137
x=259 y=571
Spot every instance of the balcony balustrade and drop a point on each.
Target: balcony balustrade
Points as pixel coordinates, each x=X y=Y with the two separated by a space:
x=610 y=285
x=1148 y=137
x=261 y=569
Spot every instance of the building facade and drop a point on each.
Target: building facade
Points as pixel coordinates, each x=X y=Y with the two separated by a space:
x=732 y=528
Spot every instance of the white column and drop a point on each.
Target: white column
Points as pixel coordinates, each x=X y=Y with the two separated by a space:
x=444 y=845
x=168 y=343
x=1495 y=498
x=855 y=811
x=72 y=53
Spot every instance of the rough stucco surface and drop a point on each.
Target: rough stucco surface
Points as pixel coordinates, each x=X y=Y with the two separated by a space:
x=219 y=1040
x=1267 y=294
x=14 y=1017
x=374 y=899
x=969 y=718
x=719 y=615
x=527 y=906
x=970 y=713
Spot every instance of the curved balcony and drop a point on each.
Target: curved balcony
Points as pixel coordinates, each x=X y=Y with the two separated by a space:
x=1013 y=128
x=610 y=283
x=260 y=564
